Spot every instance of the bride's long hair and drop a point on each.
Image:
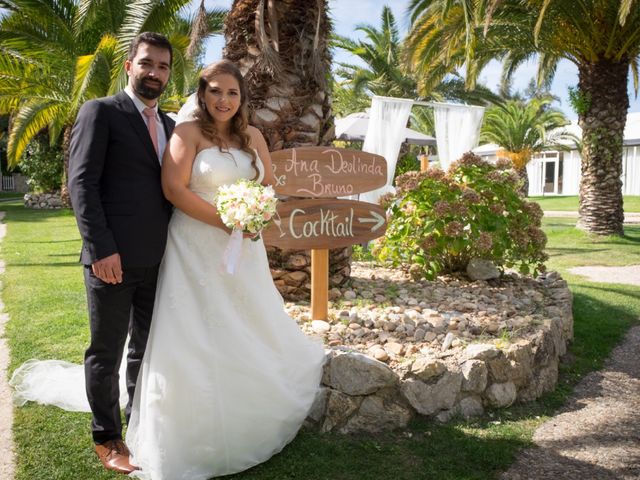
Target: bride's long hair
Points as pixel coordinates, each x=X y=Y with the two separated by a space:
x=239 y=122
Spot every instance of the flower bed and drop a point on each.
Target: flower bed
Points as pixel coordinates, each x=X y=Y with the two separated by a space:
x=399 y=348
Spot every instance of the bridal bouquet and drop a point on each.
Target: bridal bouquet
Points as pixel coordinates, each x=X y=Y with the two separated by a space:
x=246 y=207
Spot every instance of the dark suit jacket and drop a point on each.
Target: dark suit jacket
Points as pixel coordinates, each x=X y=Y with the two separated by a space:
x=114 y=183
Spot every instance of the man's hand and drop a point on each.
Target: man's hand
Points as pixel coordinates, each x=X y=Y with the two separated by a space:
x=108 y=269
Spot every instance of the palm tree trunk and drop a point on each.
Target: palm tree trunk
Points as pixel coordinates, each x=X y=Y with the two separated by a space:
x=524 y=177
x=603 y=86
x=282 y=49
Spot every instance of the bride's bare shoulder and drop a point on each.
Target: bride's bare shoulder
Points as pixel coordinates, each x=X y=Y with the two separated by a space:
x=188 y=132
x=256 y=137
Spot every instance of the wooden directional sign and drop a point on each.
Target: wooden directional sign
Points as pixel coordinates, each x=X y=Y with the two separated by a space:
x=314 y=224
x=327 y=172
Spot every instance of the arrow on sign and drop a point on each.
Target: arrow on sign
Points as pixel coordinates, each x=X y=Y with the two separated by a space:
x=377 y=219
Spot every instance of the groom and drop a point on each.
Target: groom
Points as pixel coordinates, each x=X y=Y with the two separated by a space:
x=114 y=181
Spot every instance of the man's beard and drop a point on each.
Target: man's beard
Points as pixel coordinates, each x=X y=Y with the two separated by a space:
x=150 y=92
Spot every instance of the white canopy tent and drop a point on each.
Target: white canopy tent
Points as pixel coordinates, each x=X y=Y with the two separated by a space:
x=387 y=130
x=354 y=127
x=457 y=130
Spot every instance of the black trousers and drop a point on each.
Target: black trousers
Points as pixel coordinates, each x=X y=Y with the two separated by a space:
x=114 y=312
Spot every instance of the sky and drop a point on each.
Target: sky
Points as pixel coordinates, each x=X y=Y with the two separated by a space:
x=347 y=14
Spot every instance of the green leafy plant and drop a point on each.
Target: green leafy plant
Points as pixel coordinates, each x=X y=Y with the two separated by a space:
x=438 y=222
x=580 y=101
x=42 y=164
x=407 y=163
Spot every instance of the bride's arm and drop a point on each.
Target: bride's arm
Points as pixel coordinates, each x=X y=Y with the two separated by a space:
x=176 y=174
x=258 y=142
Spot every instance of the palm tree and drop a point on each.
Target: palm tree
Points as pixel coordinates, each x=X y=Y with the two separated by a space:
x=602 y=38
x=383 y=74
x=523 y=129
x=282 y=49
x=56 y=54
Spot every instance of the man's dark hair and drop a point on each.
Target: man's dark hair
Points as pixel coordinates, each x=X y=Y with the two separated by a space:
x=150 y=38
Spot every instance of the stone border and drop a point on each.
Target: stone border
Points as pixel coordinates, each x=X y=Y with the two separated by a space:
x=45 y=201
x=361 y=394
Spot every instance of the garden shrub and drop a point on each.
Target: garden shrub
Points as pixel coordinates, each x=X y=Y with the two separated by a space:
x=407 y=163
x=42 y=164
x=439 y=221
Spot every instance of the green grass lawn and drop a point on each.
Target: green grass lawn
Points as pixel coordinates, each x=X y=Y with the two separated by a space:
x=5 y=196
x=44 y=296
x=554 y=203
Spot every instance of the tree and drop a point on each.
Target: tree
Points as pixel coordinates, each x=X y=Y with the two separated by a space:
x=282 y=49
x=56 y=54
x=522 y=129
x=602 y=38
x=383 y=73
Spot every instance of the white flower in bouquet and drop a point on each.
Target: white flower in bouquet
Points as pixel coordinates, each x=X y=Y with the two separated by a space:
x=246 y=205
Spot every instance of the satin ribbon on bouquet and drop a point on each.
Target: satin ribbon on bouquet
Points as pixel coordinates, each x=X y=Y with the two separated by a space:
x=233 y=252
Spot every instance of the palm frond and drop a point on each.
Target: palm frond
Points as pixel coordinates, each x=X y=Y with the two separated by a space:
x=29 y=121
x=93 y=72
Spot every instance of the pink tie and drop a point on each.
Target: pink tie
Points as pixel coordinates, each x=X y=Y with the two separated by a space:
x=150 y=113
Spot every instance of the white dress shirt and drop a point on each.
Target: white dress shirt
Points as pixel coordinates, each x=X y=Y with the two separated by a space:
x=140 y=105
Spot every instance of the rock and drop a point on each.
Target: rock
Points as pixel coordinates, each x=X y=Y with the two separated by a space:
x=319 y=405
x=521 y=358
x=437 y=323
x=430 y=336
x=380 y=354
x=480 y=269
x=481 y=351
x=394 y=348
x=419 y=334
x=339 y=408
x=428 y=399
x=379 y=413
x=334 y=293
x=501 y=394
x=350 y=295
x=320 y=326
x=499 y=368
x=426 y=368
x=474 y=374
x=358 y=374
x=471 y=407
x=448 y=340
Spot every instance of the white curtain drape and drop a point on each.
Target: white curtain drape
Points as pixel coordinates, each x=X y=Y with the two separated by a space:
x=534 y=172
x=385 y=133
x=571 y=173
x=457 y=130
x=631 y=170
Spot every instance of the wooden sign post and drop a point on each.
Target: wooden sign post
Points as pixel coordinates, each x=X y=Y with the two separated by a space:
x=317 y=173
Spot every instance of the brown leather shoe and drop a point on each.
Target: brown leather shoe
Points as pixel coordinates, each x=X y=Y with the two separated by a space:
x=114 y=455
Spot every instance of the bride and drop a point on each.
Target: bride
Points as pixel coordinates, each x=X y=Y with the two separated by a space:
x=227 y=377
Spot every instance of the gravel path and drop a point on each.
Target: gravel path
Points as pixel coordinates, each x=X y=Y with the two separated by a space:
x=629 y=217
x=597 y=434
x=629 y=274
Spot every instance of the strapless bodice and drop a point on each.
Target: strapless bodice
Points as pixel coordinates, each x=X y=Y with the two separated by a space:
x=213 y=168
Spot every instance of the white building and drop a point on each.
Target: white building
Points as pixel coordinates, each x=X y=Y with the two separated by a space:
x=558 y=172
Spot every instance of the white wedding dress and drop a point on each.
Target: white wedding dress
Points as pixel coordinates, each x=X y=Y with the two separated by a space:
x=227 y=377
